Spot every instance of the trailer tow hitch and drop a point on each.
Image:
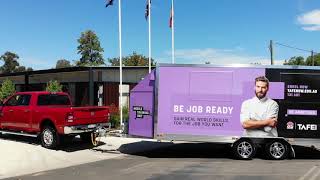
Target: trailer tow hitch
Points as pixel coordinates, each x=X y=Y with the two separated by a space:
x=97 y=134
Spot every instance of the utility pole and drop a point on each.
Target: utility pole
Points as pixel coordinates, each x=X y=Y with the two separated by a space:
x=271 y=51
x=312 y=56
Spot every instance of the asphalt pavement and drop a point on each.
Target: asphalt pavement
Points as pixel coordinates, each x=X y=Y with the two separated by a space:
x=187 y=161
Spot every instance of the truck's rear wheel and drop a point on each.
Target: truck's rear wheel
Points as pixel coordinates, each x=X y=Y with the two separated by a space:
x=276 y=150
x=49 y=137
x=244 y=149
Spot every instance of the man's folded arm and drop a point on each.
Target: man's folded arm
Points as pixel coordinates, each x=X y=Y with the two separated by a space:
x=254 y=124
x=247 y=122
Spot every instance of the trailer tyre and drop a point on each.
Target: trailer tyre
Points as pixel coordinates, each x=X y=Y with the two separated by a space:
x=90 y=137
x=244 y=149
x=86 y=137
x=49 y=137
x=277 y=150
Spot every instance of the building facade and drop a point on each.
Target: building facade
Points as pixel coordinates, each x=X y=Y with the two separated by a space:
x=86 y=85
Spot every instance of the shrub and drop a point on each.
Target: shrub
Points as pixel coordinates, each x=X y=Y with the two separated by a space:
x=7 y=89
x=115 y=115
x=54 y=86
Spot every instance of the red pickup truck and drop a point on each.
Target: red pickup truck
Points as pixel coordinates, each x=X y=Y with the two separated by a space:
x=50 y=116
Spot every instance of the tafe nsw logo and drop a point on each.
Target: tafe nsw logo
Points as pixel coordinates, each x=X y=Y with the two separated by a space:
x=311 y=127
x=290 y=125
x=140 y=113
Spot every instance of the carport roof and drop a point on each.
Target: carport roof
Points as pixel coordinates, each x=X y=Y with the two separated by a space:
x=71 y=69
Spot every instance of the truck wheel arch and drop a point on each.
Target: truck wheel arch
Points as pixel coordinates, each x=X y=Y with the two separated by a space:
x=46 y=122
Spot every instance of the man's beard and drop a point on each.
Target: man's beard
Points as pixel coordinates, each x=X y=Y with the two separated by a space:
x=260 y=95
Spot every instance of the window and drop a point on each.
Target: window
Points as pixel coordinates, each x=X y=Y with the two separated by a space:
x=19 y=100
x=53 y=99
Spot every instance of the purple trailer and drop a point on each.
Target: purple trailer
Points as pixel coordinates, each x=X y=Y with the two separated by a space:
x=247 y=107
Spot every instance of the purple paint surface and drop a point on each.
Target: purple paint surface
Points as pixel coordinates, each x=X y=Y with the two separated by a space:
x=195 y=100
x=302 y=112
x=276 y=90
x=203 y=101
x=142 y=96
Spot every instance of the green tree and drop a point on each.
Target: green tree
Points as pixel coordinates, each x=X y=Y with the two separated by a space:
x=10 y=60
x=316 y=60
x=133 y=59
x=90 y=49
x=7 y=89
x=20 y=69
x=296 y=60
x=29 y=69
x=54 y=86
x=256 y=63
x=62 y=63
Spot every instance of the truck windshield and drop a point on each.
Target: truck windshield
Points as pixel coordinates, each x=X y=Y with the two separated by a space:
x=53 y=99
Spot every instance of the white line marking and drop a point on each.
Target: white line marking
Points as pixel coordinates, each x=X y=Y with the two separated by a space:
x=307 y=173
x=315 y=175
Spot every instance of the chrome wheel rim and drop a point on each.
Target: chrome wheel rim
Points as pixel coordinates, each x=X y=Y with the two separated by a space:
x=47 y=137
x=245 y=149
x=277 y=150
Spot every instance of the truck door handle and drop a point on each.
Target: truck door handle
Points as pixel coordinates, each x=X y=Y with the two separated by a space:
x=10 y=110
x=26 y=111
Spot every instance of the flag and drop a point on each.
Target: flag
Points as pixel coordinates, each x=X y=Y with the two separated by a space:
x=146 y=14
x=171 y=18
x=109 y=2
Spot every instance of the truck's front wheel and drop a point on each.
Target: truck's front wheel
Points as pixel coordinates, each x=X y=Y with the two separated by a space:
x=49 y=137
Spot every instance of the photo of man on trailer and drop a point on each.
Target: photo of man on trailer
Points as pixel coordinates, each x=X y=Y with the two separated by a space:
x=259 y=115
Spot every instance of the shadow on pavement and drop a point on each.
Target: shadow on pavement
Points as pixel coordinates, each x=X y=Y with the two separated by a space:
x=303 y=152
x=181 y=150
x=67 y=144
x=199 y=150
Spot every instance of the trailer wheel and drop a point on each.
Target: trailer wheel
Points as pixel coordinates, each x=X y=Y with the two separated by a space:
x=244 y=149
x=86 y=137
x=276 y=150
x=90 y=137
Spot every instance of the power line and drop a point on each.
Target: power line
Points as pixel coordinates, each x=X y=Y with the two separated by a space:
x=292 y=47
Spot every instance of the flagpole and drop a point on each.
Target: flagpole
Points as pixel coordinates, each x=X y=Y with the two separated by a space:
x=149 y=16
x=172 y=31
x=120 y=61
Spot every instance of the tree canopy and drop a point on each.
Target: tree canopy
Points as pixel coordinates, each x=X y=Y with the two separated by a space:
x=133 y=59
x=63 y=63
x=10 y=60
x=90 y=49
x=11 y=63
x=299 y=60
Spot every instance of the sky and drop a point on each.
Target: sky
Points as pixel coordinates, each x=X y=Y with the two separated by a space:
x=221 y=32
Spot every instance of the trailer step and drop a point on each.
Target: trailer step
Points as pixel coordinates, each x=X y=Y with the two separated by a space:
x=18 y=133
